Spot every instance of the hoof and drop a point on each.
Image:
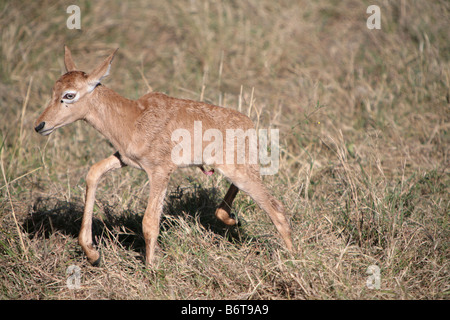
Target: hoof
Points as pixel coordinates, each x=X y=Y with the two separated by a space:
x=225 y=217
x=96 y=263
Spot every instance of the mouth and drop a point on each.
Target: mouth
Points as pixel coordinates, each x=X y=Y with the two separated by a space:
x=46 y=132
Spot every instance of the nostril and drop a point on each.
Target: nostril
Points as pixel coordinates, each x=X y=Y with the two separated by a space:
x=39 y=126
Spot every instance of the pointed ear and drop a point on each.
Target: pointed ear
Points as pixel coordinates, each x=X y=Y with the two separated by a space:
x=100 y=72
x=68 y=61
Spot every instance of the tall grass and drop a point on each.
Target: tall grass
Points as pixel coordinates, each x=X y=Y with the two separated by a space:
x=363 y=118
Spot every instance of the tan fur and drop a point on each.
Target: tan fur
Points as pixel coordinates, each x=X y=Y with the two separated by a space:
x=141 y=132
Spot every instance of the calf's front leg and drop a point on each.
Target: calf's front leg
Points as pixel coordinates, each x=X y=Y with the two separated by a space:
x=94 y=175
x=159 y=180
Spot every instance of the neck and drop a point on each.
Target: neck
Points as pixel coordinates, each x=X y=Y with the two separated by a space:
x=113 y=116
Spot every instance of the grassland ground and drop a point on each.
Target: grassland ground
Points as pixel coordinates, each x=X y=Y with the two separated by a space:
x=364 y=166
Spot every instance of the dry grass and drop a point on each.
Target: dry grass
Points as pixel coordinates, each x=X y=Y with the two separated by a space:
x=364 y=124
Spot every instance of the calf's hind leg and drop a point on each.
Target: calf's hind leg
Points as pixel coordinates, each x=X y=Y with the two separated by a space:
x=224 y=209
x=248 y=180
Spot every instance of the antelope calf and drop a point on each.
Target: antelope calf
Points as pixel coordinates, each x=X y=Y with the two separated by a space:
x=140 y=131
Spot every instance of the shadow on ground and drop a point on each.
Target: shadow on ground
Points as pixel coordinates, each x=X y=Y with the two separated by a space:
x=52 y=215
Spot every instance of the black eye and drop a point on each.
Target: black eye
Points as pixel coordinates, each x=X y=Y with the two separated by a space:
x=69 y=96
